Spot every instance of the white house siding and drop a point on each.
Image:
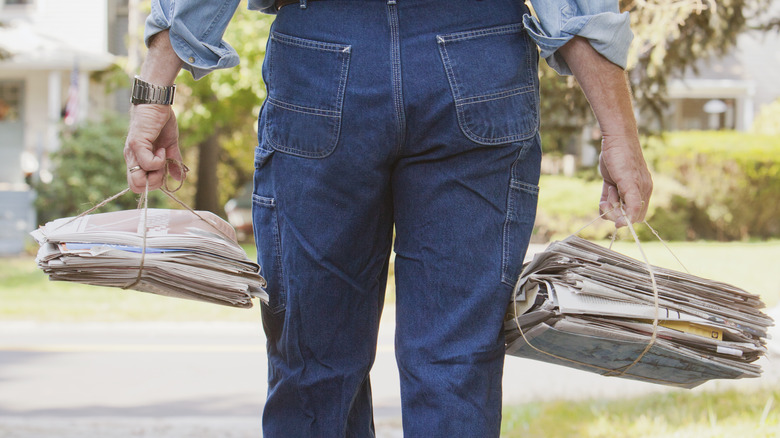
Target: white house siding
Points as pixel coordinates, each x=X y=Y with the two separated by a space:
x=79 y=23
x=46 y=39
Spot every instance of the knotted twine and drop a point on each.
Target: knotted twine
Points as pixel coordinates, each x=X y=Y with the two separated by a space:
x=143 y=202
x=618 y=372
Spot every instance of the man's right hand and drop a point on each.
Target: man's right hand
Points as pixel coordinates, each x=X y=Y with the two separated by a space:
x=152 y=139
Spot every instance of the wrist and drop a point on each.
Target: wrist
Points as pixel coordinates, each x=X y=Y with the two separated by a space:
x=144 y=92
x=162 y=64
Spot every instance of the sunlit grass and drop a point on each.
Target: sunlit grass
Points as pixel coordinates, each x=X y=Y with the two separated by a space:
x=26 y=293
x=752 y=266
x=677 y=414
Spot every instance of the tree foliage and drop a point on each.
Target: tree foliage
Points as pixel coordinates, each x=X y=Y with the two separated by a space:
x=87 y=168
x=217 y=115
x=670 y=38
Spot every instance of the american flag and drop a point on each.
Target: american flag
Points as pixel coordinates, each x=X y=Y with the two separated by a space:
x=72 y=105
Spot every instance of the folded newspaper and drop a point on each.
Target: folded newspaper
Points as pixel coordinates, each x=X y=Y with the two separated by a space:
x=181 y=255
x=584 y=306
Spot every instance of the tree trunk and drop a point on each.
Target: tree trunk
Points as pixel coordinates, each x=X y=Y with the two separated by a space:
x=207 y=193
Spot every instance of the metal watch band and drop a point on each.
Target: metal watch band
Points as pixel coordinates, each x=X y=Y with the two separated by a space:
x=144 y=92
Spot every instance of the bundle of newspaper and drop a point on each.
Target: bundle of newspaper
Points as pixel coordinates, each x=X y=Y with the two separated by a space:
x=180 y=255
x=584 y=306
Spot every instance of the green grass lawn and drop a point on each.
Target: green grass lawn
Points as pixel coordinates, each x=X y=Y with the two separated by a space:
x=678 y=414
x=26 y=294
x=752 y=266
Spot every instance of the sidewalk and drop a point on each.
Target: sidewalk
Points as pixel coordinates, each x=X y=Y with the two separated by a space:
x=177 y=380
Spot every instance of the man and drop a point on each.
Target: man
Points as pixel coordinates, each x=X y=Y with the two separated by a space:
x=416 y=114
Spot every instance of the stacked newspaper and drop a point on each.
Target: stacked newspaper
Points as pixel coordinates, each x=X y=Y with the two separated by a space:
x=584 y=306
x=182 y=254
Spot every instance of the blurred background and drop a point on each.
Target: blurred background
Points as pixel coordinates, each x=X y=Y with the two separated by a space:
x=704 y=76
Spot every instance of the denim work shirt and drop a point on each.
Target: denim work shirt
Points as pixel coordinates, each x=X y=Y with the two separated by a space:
x=202 y=49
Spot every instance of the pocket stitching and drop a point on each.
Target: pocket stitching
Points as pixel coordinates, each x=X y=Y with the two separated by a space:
x=310 y=44
x=494 y=96
x=524 y=186
x=461 y=101
x=470 y=34
x=343 y=51
x=270 y=203
x=335 y=130
x=303 y=109
x=515 y=184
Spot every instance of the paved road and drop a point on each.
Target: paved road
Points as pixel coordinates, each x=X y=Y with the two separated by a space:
x=170 y=380
x=176 y=380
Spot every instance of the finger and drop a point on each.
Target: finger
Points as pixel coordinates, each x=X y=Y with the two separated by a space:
x=137 y=179
x=147 y=123
x=633 y=206
x=175 y=168
x=615 y=201
x=135 y=183
x=610 y=203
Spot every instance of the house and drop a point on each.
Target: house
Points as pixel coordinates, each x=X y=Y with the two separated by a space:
x=729 y=92
x=48 y=50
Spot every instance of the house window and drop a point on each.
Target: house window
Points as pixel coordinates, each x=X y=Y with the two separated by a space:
x=10 y=101
x=701 y=114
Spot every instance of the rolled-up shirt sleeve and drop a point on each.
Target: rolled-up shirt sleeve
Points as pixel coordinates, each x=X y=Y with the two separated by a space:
x=600 y=22
x=196 y=31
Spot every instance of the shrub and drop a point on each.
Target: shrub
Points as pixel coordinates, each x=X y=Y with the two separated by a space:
x=88 y=168
x=707 y=185
x=768 y=120
x=567 y=204
x=731 y=180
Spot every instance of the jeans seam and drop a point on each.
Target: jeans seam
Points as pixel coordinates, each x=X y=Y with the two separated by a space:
x=521 y=186
x=445 y=57
x=397 y=84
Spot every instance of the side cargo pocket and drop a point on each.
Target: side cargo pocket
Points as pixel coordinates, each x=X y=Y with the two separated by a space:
x=522 y=200
x=269 y=249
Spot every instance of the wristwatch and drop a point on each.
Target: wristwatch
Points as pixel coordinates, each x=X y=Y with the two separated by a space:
x=144 y=92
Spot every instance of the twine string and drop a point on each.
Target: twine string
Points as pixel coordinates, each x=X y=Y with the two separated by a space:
x=145 y=200
x=623 y=371
x=655 y=233
x=654 y=335
x=100 y=204
x=143 y=203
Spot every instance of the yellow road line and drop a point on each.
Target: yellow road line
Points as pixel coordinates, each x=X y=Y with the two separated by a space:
x=101 y=348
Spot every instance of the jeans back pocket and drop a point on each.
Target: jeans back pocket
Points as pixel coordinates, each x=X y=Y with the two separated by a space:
x=493 y=77
x=306 y=80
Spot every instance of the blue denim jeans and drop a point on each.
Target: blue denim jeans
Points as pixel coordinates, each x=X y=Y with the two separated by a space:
x=418 y=114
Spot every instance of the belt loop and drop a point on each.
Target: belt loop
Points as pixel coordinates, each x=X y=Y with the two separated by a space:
x=303 y=4
x=390 y=2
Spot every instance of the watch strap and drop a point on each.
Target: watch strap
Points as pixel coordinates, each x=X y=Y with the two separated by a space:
x=145 y=93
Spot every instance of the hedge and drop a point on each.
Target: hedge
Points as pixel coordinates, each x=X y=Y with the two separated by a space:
x=719 y=185
x=730 y=181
